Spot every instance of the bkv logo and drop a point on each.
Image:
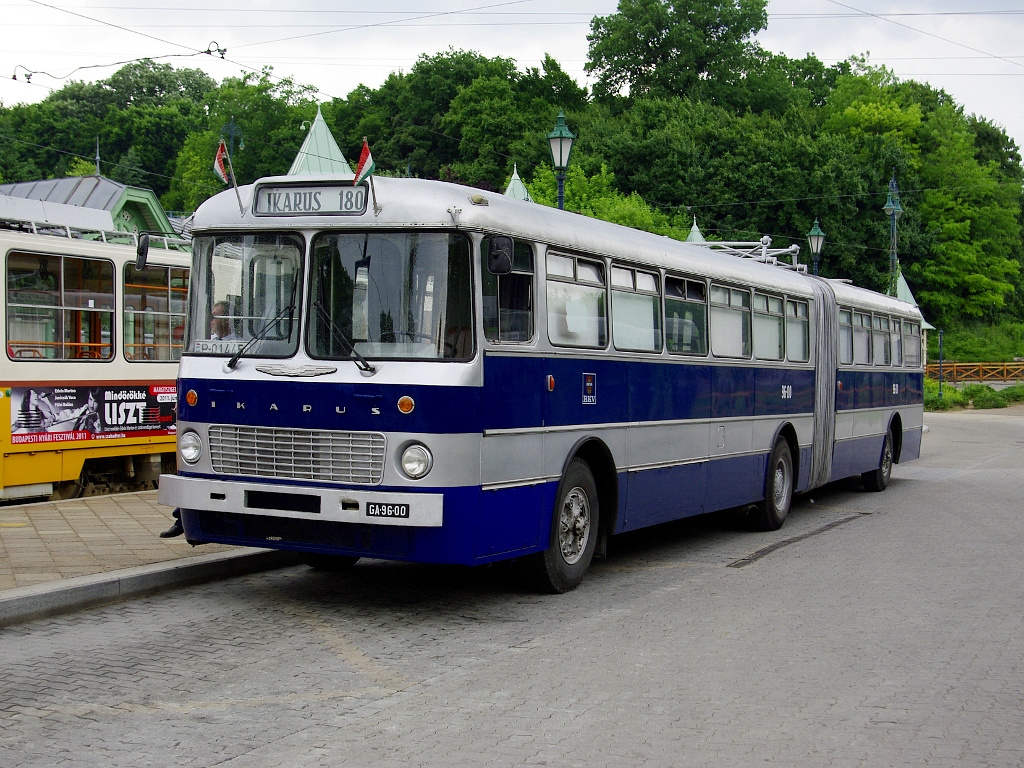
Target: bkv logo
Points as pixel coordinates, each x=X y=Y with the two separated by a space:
x=590 y=389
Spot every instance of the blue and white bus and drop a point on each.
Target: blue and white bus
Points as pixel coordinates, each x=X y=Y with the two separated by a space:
x=446 y=375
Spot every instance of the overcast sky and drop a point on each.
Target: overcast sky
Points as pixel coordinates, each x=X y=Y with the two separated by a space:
x=976 y=55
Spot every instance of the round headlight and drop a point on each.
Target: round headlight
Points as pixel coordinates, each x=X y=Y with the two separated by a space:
x=190 y=446
x=416 y=461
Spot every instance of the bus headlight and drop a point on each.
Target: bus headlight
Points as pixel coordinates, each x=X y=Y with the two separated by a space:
x=190 y=446
x=417 y=461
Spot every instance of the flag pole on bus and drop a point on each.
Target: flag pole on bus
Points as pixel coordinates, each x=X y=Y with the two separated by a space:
x=227 y=175
x=365 y=170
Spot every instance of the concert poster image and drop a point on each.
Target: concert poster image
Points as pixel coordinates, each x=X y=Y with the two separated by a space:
x=48 y=414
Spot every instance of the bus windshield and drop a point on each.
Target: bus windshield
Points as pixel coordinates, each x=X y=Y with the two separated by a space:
x=247 y=292
x=391 y=295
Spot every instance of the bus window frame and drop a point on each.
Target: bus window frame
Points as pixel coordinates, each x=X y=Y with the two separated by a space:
x=603 y=303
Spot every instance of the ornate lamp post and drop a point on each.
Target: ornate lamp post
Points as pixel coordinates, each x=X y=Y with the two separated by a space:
x=816 y=240
x=230 y=131
x=561 y=139
x=893 y=210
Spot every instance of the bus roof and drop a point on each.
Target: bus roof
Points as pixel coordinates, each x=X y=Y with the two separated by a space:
x=423 y=204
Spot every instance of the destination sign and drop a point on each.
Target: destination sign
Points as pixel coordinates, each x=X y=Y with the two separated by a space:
x=312 y=200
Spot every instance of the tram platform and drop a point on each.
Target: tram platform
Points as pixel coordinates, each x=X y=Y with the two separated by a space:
x=65 y=555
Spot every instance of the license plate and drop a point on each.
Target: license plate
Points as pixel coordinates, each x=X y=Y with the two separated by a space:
x=387 y=510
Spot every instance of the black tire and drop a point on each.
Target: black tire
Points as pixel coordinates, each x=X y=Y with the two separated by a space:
x=574 y=528
x=330 y=563
x=878 y=479
x=772 y=511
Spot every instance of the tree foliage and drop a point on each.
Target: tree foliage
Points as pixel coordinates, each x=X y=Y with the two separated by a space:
x=689 y=118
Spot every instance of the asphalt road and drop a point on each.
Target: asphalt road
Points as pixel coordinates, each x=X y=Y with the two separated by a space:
x=872 y=630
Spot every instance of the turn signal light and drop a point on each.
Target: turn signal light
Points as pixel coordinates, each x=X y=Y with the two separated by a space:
x=406 y=404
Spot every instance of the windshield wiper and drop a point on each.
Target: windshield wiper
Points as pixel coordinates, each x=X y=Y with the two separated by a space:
x=263 y=332
x=339 y=335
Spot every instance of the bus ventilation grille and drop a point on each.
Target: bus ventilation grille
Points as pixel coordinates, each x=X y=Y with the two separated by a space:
x=339 y=457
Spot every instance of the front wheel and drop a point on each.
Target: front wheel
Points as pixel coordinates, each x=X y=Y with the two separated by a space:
x=563 y=565
x=878 y=479
x=771 y=513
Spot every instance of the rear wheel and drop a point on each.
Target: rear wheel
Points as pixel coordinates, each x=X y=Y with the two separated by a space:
x=878 y=479
x=573 y=539
x=771 y=513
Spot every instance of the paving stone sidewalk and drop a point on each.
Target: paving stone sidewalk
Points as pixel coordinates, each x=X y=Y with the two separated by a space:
x=49 y=542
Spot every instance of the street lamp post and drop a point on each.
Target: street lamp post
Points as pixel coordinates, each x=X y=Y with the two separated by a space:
x=816 y=240
x=560 y=140
x=893 y=210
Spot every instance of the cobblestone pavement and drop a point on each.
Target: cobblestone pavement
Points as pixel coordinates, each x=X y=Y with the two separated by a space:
x=51 y=541
x=872 y=630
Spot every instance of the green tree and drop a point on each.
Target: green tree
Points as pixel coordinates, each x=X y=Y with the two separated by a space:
x=671 y=47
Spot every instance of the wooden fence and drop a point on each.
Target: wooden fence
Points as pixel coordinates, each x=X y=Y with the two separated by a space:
x=983 y=372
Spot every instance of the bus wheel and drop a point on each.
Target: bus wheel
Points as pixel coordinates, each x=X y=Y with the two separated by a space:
x=563 y=565
x=330 y=563
x=878 y=479
x=771 y=513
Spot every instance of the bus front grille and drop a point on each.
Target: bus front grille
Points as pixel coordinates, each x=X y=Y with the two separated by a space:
x=340 y=457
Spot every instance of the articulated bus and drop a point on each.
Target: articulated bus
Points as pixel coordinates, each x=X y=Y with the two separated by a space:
x=439 y=374
x=87 y=392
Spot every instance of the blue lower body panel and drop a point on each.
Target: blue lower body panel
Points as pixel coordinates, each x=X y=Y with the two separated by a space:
x=479 y=527
x=852 y=457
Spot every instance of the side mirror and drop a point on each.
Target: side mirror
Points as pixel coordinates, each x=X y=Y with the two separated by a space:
x=499 y=255
x=141 y=252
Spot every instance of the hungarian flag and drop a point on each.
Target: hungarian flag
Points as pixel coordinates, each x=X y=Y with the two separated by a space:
x=218 y=162
x=366 y=165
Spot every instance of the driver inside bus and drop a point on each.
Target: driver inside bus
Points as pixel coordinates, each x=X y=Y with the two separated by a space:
x=220 y=323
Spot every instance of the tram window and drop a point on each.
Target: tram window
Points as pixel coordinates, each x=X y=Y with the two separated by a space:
x=896 y=342
x=576 y=302
x=912 y=343
x=768 y=327
x=861 y=338
x=845 y=336
x=154 y=312
x=798 y=331
x=686 y=316
x=59 y=307
x=508 y=299
x=880 y=340
x=636 y=310
x=730 y=322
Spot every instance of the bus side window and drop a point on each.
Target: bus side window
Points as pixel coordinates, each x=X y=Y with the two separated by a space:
x=636 y=310
x=912 y=343
x=861 y=338
x=730 y=322
x=798 y=331
x=846 y=336
x=508 y=299
x=880 y=342
x=896 y=342
x=686 y=316
x=768 y=327
x=577 y=315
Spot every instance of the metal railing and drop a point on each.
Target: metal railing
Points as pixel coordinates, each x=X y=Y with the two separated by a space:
x=982 y=372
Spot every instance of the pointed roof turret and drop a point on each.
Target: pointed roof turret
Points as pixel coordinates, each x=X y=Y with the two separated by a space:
x=320 y=153
x=516 y=188
x=695 y=235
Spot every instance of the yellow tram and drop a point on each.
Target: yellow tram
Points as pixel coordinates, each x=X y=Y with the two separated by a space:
x=90 y=351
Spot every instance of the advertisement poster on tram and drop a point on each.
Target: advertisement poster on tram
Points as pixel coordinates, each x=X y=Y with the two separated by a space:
x=51 y=414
